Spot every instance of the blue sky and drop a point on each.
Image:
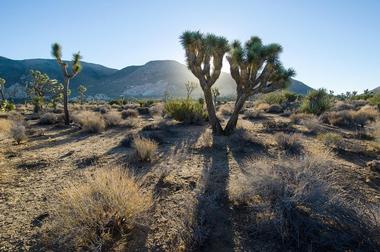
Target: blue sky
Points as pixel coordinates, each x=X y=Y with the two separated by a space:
x=331 y=44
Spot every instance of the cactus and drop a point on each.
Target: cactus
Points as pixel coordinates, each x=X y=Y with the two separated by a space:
x=81 y=91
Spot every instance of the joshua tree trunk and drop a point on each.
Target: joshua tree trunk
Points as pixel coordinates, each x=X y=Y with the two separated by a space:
x=231 y=125
x=215 y=124
x=2 y=94
x=65 y=101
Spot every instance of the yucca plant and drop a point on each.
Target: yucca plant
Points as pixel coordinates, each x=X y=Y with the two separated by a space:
x=76 y=67
x=256 y=68
x=204 y=57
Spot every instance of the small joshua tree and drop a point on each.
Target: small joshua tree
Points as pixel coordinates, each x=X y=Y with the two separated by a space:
x=2 y=85
x=67 y=75
x=256 y=68
x=204 y=57
x=38 y=88
x=190 y=87
x=215 y=94
x=81 y=91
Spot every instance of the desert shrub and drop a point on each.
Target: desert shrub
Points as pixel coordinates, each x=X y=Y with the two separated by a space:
x=118 y=102
x=290 y=143
x=298 y=118
x=129 y=113
x=330 y=139
x=112 y=119
x=185 y=111
x=143 y=110
x=253 y=114
x=275 y=109
x=375 y=99
x=316 y=102
x=95 y=213
x=91 y=122
x=312 y=124
x=18 y=132
x=273 y=125
x=296 y=205
x=342 y=105
x=146 y=103
x=278 y=97
x=103 y=109
x=350 y=118
x=49 y=118
x=157 y=109
x=145 y=149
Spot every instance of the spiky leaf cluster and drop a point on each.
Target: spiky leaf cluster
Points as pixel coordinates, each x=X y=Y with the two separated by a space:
x=204 y=55
x=76 y=67
x=256 y=67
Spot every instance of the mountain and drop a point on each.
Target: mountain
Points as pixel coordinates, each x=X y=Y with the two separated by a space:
x=15 y=72
x=375 y=90
x=150 y=80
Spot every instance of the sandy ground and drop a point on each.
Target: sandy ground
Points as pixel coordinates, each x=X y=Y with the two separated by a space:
x=189 y=180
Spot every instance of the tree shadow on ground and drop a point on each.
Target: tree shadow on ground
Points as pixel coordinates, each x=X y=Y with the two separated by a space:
x=213 y=217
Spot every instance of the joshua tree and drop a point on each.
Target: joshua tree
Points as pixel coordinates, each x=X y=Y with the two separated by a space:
x=67 y=75
x=256 y=68
x=38 y=88
x=204 y=57
x=190 y=87
x=2 y=84
x=82 y=90
x=215 y=94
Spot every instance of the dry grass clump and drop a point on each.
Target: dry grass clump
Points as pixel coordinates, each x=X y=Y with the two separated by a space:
x=145 y=149
x=330 y=139
x=91 y=122
x=112 y=119
x=5 y=126
x=131 y=123
x=157 y=109
x=103 y=109
x=128 y=113
x=18 y=132
x=312 y=125
x=262 y=106
x=291 y=143
x=50 y=118
x=95 y=213
x=299 y=201
x=226 y=109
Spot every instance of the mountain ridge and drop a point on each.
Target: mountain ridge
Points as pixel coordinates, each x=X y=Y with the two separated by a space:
x=152 y=79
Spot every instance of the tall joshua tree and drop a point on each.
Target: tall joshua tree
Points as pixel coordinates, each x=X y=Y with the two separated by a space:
x=256 y=68
x=204 y=57
x=67 y=75
x=2 y=84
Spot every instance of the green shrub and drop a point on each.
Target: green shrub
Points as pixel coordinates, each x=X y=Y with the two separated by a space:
x=146 y=103
x=375 y=99
x=330 y=139
x=279 y=97
x=316 y=102
x=186 y=111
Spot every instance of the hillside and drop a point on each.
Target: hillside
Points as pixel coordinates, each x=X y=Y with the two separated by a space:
x=149 y=80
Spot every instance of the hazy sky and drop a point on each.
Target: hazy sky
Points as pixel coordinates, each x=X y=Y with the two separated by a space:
x=332 y=44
